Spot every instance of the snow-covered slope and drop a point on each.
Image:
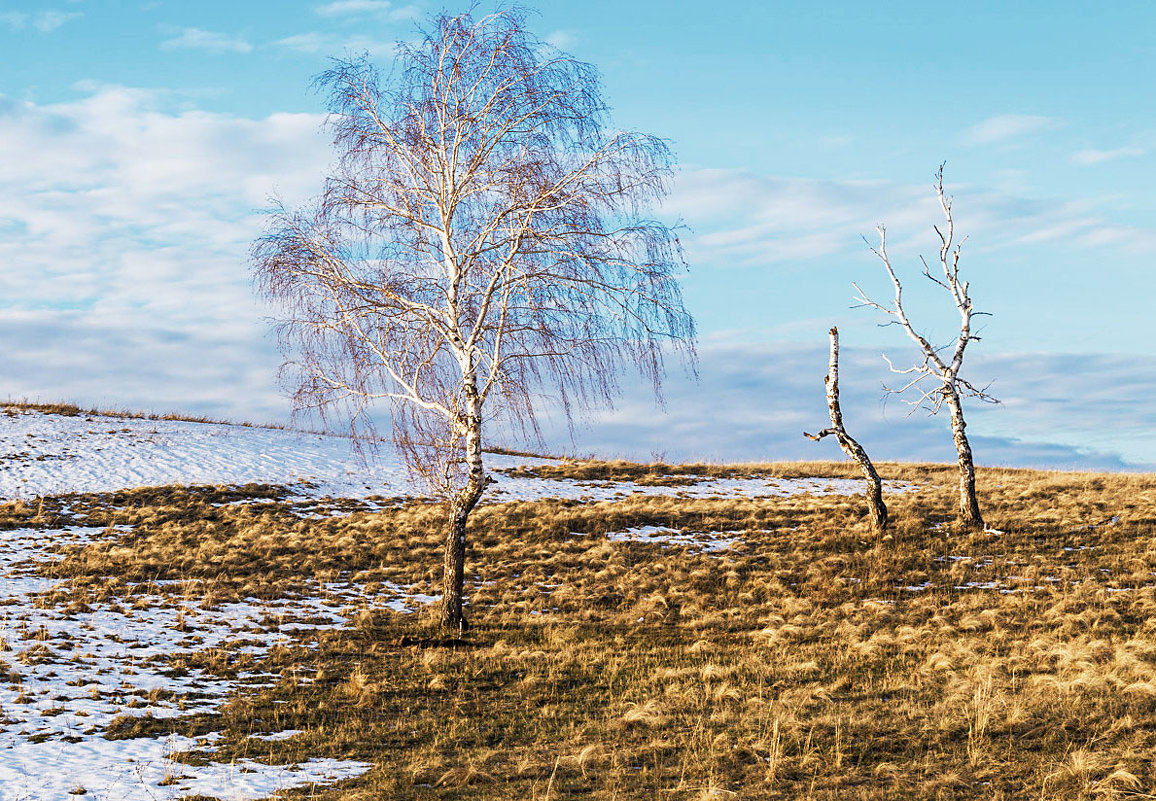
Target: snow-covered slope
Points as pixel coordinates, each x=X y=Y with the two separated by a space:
x=50 y=454
x=47 y=454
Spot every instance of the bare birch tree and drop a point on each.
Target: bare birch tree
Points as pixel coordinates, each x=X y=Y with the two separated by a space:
x=936 y=378
x=483 y=242
x=849 y=444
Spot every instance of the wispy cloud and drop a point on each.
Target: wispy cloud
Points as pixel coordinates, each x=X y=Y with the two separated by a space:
x=380 y=8
x=43 y=21
x=211 y=41
x=835 y=141
x=1088 y=158
x=744 y=219
x=314 y=43
x=16 y=20
x=741 y=219
x=1008 y=126
x=1127 y=239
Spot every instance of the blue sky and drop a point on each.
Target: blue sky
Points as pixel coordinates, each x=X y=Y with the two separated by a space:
x=138 y=141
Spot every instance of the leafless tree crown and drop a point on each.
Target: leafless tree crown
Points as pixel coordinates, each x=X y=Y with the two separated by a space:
x=484 y=239
x=936 y=377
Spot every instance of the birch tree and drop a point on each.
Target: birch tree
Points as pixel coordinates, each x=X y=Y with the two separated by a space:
x=849 y=444
x=484 y=241
x=936 y=379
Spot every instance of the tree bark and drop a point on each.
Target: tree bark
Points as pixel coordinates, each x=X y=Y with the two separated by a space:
x=969 y=515
x=850 y=446
x=454 y=562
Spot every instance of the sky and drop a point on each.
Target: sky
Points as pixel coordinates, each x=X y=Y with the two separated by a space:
x=141 y=141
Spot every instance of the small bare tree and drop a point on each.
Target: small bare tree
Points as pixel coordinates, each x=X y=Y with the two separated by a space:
x=483 y=242
x=849 y=444
x=936 y=378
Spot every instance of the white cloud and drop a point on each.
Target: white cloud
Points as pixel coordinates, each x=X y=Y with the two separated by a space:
x=353 y=11
x=563 y=40
x=311 y=42
x=835 y=141
x=98 y=360
x=124 y=231
x=43 y=21
x=354 y=7
x=381 y=8
x=47 y=21
x=1121 y=237
x=213 y=42
x=1089 y=157
x=743 y=219
x=1008 y=126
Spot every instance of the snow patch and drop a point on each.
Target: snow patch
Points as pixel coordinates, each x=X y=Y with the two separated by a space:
x=71 y=673
x=710 y=541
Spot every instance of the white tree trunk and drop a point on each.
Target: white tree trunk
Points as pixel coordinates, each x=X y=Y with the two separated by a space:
x=850 y=446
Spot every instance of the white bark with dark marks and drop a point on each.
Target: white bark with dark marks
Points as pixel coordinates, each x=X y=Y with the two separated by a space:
x=849 y=444
x=969 y=513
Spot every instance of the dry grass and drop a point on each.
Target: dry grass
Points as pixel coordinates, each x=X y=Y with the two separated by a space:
x=661 y=472
x=794 y=665
x=72 y=410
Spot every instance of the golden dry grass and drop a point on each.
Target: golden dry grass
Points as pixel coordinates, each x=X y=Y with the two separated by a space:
x=807 y=661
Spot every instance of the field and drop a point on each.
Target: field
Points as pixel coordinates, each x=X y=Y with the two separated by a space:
x=657 y=632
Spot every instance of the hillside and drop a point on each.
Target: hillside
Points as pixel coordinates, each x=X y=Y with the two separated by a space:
x=44 y=453
x=212 y=611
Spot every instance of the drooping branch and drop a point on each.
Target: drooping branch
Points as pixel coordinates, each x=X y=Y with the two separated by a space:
x=484 y=241
x=849 y=444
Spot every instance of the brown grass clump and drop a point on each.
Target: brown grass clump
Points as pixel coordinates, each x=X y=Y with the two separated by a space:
x=809 y=660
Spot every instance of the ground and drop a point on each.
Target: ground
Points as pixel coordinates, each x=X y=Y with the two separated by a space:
x=638 y=631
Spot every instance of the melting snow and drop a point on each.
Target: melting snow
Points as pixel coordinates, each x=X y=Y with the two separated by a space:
x=74 y=672
x=512 y=488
